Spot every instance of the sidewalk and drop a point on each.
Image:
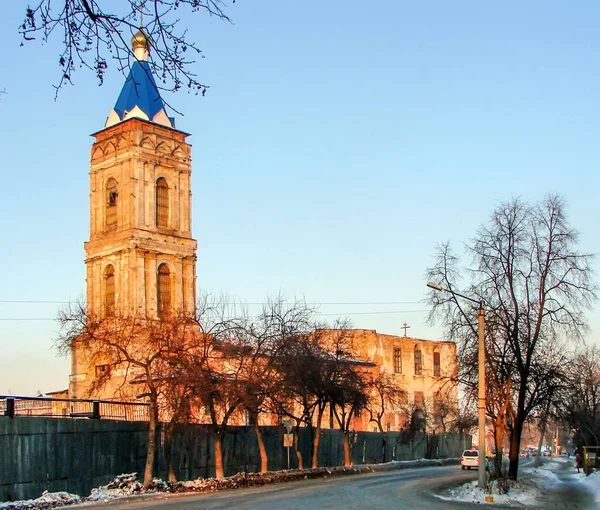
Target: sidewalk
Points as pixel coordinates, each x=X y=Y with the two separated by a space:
x=562 y=487
x=554 y=484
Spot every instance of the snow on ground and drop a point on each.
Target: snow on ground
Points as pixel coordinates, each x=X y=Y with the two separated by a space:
x=46 y=500
x=532 y=482
x=520 y=494
x=593 y=483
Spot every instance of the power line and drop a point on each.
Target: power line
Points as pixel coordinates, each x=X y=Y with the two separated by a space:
x=29 y=301
x=27 y=319
x=376 y=312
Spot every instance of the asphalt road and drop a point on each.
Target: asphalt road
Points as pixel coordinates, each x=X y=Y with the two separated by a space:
x=399 y=489
x=409 y=488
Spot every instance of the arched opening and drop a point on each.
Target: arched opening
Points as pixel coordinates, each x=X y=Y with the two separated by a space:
x=109 y=290
x=436 y=364
x=111 y=202
x=162 y=203
x=397 y=360
x=418 y=361
x=164 y=291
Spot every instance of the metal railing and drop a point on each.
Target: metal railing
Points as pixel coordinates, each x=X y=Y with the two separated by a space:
x=12 y=405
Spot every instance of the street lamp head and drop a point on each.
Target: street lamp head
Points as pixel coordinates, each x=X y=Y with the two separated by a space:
x=435 y=286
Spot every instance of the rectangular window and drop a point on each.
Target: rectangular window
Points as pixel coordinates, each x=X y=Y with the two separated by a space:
x=419 y=399
x=112 y=197
x=402 y=397
x=397 y=360
x=162 y=204
x=436 y=364
x=418 y=362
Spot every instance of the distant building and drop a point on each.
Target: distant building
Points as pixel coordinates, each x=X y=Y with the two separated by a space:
x=425 y=374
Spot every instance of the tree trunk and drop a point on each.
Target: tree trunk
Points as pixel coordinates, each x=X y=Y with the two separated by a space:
x=168 y=451
x=515 y=443
x=538 y=460
x=498 y=444
x=261 y=447
x=346 y=442
x=316 y=439
x=298 y=454
x=149 y=469
x=219 y=454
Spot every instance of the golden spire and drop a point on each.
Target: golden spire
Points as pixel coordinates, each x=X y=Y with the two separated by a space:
x=140 y=42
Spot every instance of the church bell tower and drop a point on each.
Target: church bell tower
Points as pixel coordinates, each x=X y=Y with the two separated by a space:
x=140 y=258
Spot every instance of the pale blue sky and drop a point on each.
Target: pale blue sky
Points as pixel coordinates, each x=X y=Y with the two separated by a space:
x=338 y=143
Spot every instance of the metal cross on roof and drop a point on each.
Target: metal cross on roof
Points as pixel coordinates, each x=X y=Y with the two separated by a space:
x=142 y=5
x=404 y=327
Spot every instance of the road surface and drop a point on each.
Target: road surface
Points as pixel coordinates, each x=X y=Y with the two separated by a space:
x=408 y=488
x=398 y=489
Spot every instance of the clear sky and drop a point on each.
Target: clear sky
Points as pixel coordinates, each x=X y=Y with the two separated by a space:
x=339 y=142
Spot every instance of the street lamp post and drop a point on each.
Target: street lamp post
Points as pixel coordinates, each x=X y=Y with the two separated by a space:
x=481 y=400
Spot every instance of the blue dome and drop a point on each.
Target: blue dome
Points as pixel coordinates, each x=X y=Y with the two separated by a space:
x=139 y=90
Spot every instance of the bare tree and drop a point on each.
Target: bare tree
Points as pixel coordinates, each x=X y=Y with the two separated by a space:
x=534 y=285
x=385 y=398
x=211 y=370
x=92 y=36
x=346 y=381
x=580 y=407
x=318 y=370
x=350 y=398
x=135 y=356
x=302 y=395
x=267 y=337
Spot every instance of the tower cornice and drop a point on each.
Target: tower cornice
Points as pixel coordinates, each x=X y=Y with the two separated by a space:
x=133 y=123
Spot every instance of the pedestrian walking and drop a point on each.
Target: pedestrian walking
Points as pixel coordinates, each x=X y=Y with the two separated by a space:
x=578 y=460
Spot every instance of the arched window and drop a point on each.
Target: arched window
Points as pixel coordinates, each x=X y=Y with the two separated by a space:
x=109 y=290
x=418 y=361
x=162 y=203
x=164 y=291
x=436 y=364
x=111 y=202
x=397 y=360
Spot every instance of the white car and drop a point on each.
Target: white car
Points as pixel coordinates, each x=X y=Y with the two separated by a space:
x=469 y=459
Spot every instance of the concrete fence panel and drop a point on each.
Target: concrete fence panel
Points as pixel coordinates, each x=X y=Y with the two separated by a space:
x=75 y=455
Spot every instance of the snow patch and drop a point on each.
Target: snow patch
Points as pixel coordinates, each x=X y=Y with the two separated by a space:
x=520 y=494
x=593 y=482
x=525 y=492
x=46 y=500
